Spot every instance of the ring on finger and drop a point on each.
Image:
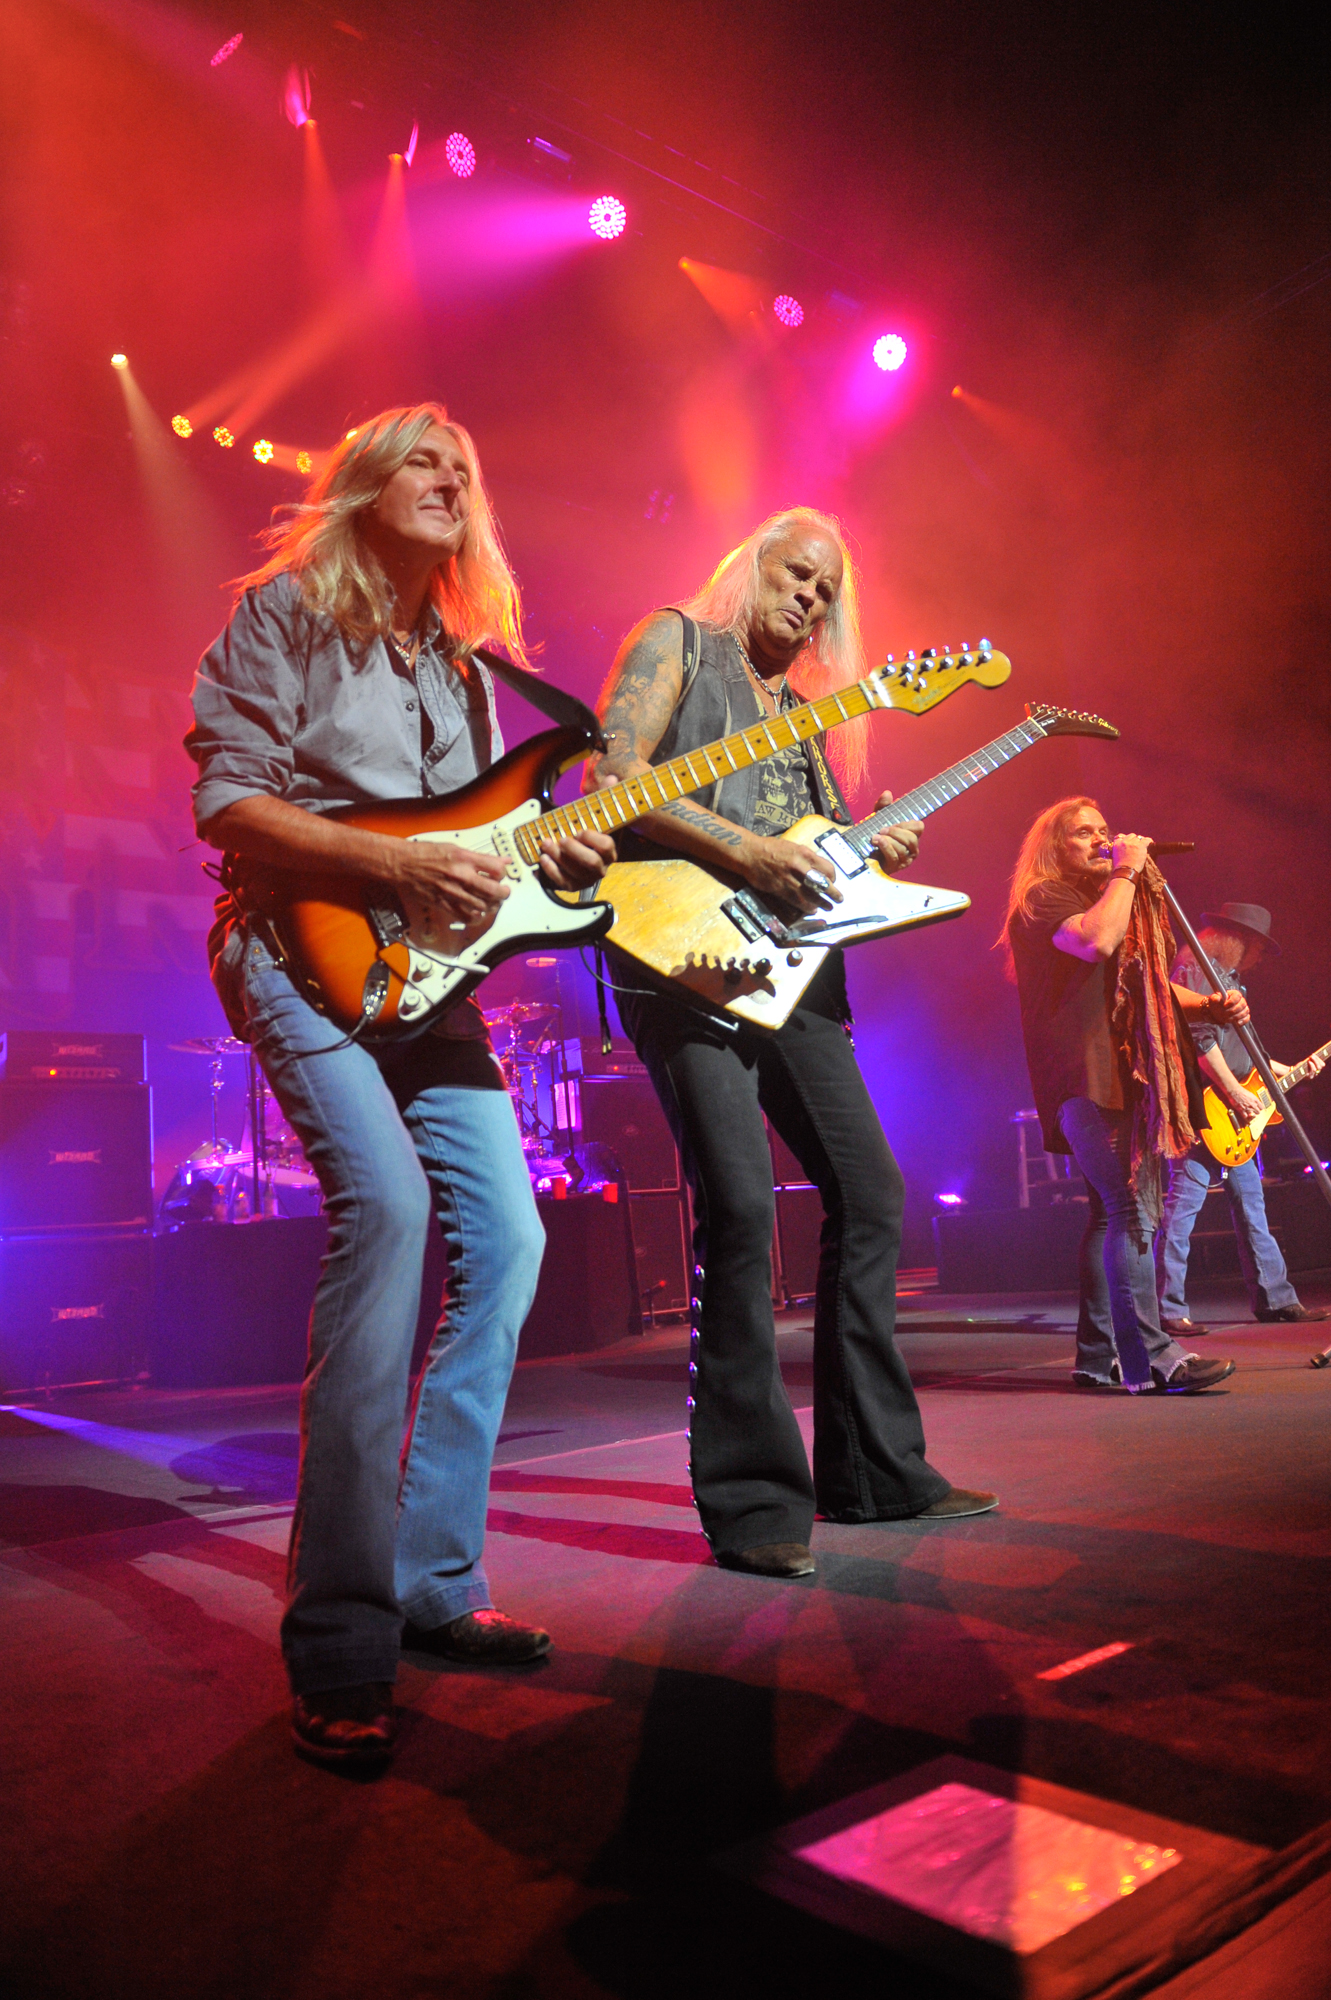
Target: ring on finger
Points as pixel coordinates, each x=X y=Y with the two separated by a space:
x=816 y=880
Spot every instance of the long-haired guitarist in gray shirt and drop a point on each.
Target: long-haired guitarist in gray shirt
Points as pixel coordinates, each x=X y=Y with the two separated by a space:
x=781 y=606
x=345 y=676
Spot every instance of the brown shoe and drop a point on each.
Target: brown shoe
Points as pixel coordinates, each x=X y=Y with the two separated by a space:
x=481 y=1639
x=954 y=1506
x=1192 y=1375
x=783 y=1560
x=346 y=1728
x=1187 y=1327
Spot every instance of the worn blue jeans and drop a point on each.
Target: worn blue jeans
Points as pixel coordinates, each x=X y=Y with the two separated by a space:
x=1118 y=1317
x=1263 y=1267
x=384 y=1528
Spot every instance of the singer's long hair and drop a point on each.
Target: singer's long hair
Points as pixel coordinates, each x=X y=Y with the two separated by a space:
x=1040 y=860
x=475 y=592
x=834 y=655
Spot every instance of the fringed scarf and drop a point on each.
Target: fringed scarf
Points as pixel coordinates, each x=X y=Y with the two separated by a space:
x=1145 y=1023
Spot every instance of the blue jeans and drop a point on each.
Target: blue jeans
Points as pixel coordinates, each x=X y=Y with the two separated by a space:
x=1263 y=1267
x=384 y=1528
x=1118 y=1317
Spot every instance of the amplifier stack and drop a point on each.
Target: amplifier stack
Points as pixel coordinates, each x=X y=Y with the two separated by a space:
x=75 y=1209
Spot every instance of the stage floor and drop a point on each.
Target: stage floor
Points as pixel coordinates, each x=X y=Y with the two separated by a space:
x=549 y=1833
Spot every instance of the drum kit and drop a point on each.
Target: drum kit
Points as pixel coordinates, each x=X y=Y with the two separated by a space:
x=267 y=1174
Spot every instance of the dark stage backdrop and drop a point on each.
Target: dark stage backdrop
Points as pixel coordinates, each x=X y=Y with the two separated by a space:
x=1107 y=232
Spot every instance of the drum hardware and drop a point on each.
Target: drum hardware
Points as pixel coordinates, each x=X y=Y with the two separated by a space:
x=220 y=1182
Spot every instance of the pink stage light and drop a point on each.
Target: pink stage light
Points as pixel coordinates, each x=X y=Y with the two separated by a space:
x=889 y=351
x=607 y=217
x=789 y=311
x=296 y=96
x=227 y=49
x=460 y=154
x=410 y=153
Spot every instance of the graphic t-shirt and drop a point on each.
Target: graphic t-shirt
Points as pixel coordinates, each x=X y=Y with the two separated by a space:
x=1065 y=1008
x=785 y=785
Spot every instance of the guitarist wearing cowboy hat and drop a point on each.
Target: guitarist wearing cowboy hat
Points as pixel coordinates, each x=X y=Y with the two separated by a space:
x=1235 y=938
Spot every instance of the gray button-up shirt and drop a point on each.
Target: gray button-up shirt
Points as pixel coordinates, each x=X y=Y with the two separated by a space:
x=1209 y=1035
x=285 y=705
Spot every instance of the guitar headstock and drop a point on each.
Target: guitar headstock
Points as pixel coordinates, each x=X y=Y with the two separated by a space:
x=1068 y=721
x=917 y=684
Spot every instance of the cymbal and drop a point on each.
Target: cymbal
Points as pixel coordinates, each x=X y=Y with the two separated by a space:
x=518 y=1010
x=212 y=1045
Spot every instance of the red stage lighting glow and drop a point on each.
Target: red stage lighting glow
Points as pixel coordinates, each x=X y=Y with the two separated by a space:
x=296 y=96
x=789 y=311
x=182 y=427
x=263 y=451
x=607 y=217
x=304 y=463
x=227 y=49
x=224 y=437
x=889 y=351
x=460 y=154
x=120 y=361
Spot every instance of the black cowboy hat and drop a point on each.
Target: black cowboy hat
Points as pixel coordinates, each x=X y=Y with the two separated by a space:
x=1250 y=917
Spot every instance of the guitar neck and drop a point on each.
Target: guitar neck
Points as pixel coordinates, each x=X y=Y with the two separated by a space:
x=619 y=805
x=1302 y=1071
x=949 y=784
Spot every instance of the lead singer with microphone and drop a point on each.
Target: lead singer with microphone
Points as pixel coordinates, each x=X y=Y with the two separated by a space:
x=1113 y=1070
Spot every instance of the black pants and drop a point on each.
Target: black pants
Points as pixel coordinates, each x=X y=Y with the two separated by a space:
x=750 y=1474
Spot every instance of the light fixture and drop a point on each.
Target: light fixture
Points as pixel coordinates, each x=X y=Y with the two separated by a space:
x=224 y=437
x=789 y=311
x=120 y=361
x=460 y=154
x=304 y=463
x=263 y=450
x=607 y=217
x=182 y=427
x=227 y=49
x=889 y=351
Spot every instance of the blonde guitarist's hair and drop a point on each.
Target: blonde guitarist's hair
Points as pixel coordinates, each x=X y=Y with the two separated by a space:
x=1040 y=860
x=834 y=657
x=475 y=592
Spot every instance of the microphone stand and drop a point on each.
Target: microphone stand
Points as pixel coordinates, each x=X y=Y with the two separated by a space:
x=1263 y=1067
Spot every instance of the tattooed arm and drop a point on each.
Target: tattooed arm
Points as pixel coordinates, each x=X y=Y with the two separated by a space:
x=640 y=696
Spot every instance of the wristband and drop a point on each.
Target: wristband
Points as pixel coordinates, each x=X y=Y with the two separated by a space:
x=1123 y=873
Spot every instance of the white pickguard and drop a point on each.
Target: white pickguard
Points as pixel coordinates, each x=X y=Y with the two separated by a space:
x=447 y=962
x=872 y=905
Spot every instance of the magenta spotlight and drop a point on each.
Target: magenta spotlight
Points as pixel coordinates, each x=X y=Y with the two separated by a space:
x=227 y=49
x=460 y=154
x=607 y=217
x=950 y=1200
x=789 y=311
x=889 y=351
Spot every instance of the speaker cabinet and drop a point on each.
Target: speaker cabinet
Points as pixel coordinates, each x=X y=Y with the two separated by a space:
x=75 y=1156
x=799 y=1227
x=661 y=1251
x=623 y=1113
x=73 y=1310
x=232 y=1302
x=1010 y=1250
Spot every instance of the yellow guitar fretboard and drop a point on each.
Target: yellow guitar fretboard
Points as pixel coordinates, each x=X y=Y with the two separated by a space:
x=620 y=804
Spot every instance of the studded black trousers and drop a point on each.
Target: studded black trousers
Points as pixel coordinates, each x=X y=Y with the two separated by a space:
x=750 y=1473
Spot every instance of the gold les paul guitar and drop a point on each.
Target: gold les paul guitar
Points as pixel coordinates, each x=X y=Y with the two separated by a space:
x=1234 y=1144
x=387 y=972
x=720 y=942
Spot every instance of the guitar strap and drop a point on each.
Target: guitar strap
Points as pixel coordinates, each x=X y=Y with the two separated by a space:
x=565 y=709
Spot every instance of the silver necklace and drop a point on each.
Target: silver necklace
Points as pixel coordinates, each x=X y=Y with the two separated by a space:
x=780 y=695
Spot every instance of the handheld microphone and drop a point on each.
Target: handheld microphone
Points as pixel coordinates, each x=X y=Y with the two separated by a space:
x=1170 y=847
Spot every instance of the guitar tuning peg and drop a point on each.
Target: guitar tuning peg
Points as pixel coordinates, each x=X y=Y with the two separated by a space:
x=910 y=655
x=985 y=649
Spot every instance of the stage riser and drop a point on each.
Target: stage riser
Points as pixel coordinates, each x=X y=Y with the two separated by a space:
x=1035 y=1249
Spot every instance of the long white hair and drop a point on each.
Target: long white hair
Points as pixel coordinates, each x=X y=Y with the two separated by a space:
x=475 y=592
x=834 y=655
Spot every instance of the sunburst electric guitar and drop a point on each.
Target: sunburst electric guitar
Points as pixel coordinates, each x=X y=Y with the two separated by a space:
x=725 y=945
x=1234 y=1144
x=388 y=971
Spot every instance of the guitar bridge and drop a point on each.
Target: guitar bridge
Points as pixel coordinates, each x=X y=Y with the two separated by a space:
x=388 y=922
x=753 y=920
